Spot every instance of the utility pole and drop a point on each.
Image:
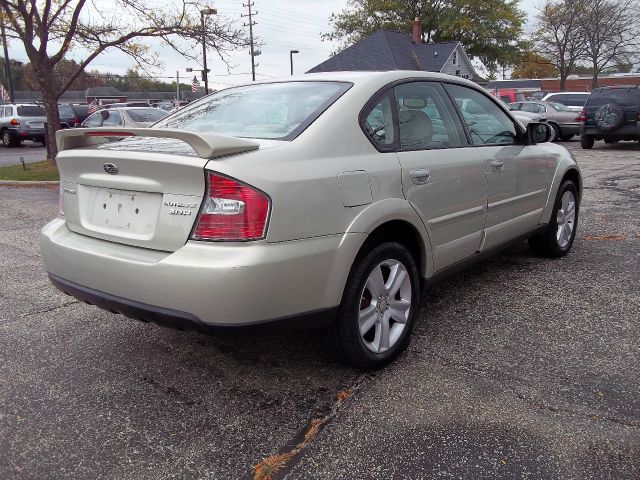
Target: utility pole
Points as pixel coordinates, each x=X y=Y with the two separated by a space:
x=250 y=25
x=177 y=88
x=7 y=62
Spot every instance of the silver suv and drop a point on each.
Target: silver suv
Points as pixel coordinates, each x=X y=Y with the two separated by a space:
x=22 y=121
x=320 y=201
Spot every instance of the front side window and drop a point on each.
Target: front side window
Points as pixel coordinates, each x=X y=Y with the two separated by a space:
x=278 y=111
x=111 y=118
x=533 y=108
x=94 y=120
x=487 y=123
x=379 y=123
x=427 y=118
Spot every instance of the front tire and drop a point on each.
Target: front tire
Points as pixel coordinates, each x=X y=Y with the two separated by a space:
x=557 y=239
x=378 y=308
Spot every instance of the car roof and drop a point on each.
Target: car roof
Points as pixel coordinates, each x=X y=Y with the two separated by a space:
x=360 y=77
x=569 y=93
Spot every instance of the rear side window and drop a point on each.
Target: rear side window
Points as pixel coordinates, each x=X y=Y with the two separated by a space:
x=31 y=111
x=111 y=118
x=379 y=124
x=621 y=96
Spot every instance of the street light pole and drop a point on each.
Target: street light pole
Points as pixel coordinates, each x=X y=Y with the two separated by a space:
x=291 y=52
x=205 y=76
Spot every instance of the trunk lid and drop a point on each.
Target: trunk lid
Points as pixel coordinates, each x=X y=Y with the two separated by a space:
x=139 y=191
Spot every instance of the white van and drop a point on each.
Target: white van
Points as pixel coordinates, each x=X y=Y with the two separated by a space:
x=574 y=100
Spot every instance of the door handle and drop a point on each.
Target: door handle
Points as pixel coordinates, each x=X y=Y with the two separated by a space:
x=497 y=164
x=420 y=176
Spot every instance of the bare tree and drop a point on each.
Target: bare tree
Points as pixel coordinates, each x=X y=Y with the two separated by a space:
x=559 y=35
x=49 y=29
x=610 y=29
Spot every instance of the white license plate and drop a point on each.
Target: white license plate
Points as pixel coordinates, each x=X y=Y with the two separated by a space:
x=36 y=125
x=125 y=212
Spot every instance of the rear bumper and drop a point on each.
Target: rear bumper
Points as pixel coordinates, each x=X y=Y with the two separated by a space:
x=205 y=285
x=185 y=321
x=26 y=134
x=570 y=128
x=626 y=131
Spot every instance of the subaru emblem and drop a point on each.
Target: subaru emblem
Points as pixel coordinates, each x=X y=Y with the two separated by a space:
x=110 y=168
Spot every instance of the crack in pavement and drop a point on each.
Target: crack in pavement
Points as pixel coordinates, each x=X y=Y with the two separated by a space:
x=496 y=373
x=35 y=312
x=294 y=450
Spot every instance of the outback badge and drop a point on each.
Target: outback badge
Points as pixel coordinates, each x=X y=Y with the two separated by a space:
x=110 y=168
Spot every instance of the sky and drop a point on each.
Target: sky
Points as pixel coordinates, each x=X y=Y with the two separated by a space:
x=282 y=25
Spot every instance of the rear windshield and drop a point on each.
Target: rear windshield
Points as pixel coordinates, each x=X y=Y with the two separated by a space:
x=146 y=114
x=66 y=111
x=570 y=99
x=272 y=110
x=621 y=96
x=31 y=111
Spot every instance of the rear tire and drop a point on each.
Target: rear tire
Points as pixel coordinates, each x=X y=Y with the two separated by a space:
x=566 y=138
x=587 y=141
x=557 y=239
x=9 y=141
x=555 y=132
x=378 y=308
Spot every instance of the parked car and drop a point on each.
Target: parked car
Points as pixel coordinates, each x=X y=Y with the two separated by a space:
x=563 y=121
x=321 y=201
x=539 y=95
x=82 y=111
x=125 y=117
x=21 y=121
x=611 y=114
x=573 y=100
x=68 y=116
x=527 y=117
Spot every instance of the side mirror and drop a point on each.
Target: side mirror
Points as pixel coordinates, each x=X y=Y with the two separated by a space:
x=538 y=132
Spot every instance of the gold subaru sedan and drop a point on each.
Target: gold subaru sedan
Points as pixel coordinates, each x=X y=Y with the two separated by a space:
x=320 y=201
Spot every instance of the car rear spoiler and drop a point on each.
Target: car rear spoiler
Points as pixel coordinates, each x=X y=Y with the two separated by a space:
x=206 y=145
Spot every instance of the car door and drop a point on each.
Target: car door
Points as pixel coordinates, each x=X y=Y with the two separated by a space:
x=516 y=172
x=442 y=175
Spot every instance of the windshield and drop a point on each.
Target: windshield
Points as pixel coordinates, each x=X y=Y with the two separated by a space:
x=559 y=107
x=66 y=111
x=271 y=110
x=31 y=111
x=147 y=114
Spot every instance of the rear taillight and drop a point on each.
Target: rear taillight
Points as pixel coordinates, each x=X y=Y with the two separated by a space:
x=583 y=116
x=232 y=211
x=75 y=122
x=14 y=121
x=61 y=200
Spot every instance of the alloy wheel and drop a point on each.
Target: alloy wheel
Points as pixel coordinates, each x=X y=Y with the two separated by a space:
x=566 y=219
x=384 y=305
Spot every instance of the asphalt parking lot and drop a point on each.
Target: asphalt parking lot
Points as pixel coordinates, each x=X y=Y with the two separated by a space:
x=29 y=151
x=519 y=368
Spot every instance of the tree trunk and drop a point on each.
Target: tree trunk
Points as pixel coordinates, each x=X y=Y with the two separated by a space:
x=563 y=81
x=50 y=101
x=594 y=79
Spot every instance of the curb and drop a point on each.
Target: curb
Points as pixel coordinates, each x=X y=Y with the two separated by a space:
x=28 y=183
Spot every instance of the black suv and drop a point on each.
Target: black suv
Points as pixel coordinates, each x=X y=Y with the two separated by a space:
x=611 y=114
